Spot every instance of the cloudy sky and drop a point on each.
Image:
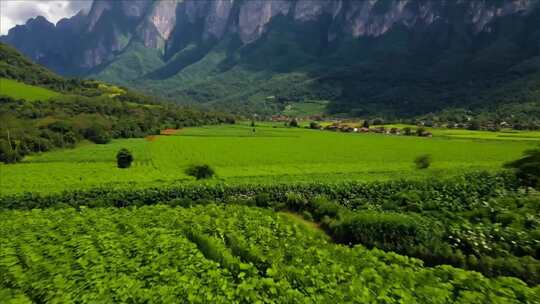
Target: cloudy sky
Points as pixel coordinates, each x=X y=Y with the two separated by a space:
x=14 y=12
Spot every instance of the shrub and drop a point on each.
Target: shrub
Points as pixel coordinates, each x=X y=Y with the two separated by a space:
x=474 y=125
x=314 y=125
x=307 y=216
x=124 y=159
x=295 y=201
x=527 y=169
x=262 y=199
x=97 y=134
x=321 y=207
x=10 y=156
x=200 y=171
x=407 y=131
x=293 y=123
x=423 y=161
x=385 y=230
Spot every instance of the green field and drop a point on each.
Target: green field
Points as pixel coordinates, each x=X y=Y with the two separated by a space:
x=306 y=108
x=18 y=90
x=505 y=134
x=214 y=254
x=271 y=154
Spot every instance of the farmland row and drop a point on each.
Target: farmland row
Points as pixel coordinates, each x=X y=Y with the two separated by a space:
x=449 y=194
x=217 y=254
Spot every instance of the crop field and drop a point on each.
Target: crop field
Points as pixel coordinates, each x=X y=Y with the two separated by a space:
x=505 y=134
x=18 y=90
x=268 y=155
x=214 y=254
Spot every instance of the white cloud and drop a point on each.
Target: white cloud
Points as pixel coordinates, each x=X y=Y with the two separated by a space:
x=13 y=12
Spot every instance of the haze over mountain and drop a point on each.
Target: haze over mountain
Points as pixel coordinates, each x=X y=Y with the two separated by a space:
x=395 y=57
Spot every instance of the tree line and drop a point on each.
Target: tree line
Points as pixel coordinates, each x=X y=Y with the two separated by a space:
x=31 y=127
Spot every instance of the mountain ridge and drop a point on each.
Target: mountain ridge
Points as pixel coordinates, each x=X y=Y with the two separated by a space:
x=363 y=57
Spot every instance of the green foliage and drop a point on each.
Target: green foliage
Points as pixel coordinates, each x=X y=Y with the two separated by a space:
x=451 y=195
x=423 y=161
x=293 y=123
x=97 y=134
x=63 y=121
x=200 y=171
x=39 y=119
x=124 y=158
x=388 y=230
x=322 y=207
x=421 y=131
x=527 y=169
x=221 y=254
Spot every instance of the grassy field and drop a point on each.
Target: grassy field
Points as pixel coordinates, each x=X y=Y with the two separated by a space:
x=18 y=90
x=505 y=134
x=307 y=108
x=271 y=154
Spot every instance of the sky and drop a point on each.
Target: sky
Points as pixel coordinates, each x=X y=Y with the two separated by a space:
x=13 y=12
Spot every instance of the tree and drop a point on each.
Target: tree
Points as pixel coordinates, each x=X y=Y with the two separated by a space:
x=474 y=125
x=423 y=161
x=253 y=123
x=293 y=123
x=314 y=125
x=7 y=154
x=407 y=131
x=124 y=158
x=200 y=171
x=97 y=134
x=365 y=124
x=378 y=122
x=421 y=131
x=527 y=168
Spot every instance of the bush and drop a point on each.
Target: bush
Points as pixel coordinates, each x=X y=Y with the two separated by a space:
x=10 y=157
x=293 y=123
x=97 y=134
x=200 y=171
x=423 y=161
x=385 y=230
x=314 y=125
x=407 y=131
x=124 y=159
x=527 y=169
x=295 y=201
x=421 y=131
x=262 y=200
x=323 y=207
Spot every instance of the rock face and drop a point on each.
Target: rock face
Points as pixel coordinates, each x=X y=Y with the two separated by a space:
x=110 y=25
x=280 y=36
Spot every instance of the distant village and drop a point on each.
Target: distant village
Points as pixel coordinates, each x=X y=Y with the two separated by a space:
x=348 y=127
x=336 y=127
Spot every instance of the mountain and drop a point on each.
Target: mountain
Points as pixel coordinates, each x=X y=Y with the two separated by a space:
x=361 y=57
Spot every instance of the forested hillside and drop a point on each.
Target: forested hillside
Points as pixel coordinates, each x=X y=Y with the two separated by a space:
x=36 y=119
